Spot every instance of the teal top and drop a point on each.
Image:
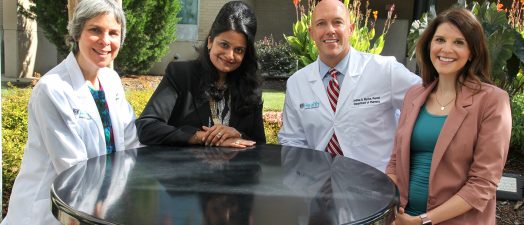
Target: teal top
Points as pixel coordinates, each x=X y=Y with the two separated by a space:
x=103 y=109
x=423 y=140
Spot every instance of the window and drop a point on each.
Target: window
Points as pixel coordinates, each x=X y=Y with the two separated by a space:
x=187 y=28
x=189 y=12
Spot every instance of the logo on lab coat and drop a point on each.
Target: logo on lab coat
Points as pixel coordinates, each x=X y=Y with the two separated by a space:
x=80 y=114
x=309 y=105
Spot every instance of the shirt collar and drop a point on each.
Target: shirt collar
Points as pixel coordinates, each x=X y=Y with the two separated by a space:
x=341 y=67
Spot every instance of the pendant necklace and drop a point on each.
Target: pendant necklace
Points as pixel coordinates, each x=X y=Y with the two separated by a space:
x=442 y=107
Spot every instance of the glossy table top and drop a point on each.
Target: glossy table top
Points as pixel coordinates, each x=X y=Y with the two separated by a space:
x=268 y=184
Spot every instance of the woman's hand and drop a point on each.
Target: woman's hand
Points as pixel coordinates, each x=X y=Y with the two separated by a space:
x=217 y=134
x=405 y=219
x=237 y=143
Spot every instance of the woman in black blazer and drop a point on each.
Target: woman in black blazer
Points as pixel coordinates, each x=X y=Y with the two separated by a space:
x=216 y=99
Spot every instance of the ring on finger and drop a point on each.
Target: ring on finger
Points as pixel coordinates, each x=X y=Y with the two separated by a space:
x=237 y=142
x=219 y=134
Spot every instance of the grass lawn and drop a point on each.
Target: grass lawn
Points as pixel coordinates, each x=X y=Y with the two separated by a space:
x=273 y=100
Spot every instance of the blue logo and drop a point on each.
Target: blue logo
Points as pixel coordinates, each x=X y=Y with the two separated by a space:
x=310 y=105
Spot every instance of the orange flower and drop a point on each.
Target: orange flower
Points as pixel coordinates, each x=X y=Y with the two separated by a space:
x=499 y=7
x=522 y=1
x=375 y=14
x=295 y=2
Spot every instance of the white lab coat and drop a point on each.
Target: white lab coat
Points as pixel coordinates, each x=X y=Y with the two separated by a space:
x=65 y=128
x=365 y=122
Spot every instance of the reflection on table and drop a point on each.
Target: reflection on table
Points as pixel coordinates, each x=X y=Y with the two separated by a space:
x=268 y=184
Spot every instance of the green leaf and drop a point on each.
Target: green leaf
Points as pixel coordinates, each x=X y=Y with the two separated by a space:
x=312 y=53
x=371 y=34
x=304 y=61
x=494 y=20
x=295 y=44
x=518 y=48
x=500 y=44
x=379 y=45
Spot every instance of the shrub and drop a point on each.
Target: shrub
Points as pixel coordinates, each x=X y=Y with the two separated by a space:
x=150 y=30
x=271 y=129
x=14 y=135
x=138 y=99
x=275 y=57
x=363 y=37
x=272 y=124
x=517 y=132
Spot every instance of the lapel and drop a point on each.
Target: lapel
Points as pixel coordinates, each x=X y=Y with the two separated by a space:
x=317 y=86
x=455 y=118
x=200 y=103
x=85 y=102
x=355 y=68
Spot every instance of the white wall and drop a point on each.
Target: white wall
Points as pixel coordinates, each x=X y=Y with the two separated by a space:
x=46 y=54
x=396 y=38
x=9 y=22
x=183 y=49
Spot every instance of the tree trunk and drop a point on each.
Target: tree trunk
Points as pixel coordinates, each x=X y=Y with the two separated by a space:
x=27 y=42
x=71 y=5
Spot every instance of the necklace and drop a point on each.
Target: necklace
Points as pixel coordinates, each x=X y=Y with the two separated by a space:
x=442 y=107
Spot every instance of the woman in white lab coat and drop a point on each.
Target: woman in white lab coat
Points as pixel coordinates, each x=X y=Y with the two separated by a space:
x=77 y=111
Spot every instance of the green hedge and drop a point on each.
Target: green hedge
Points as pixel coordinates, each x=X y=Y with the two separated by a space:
x=14 y=135
x=138 y=99
x=517 y=132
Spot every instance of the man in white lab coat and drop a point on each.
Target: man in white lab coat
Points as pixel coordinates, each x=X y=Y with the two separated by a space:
x=357 y=119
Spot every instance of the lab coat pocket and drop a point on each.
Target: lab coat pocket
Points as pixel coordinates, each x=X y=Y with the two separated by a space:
x=366 y=124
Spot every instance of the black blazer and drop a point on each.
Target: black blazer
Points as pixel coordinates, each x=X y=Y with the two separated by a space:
x=176 y=110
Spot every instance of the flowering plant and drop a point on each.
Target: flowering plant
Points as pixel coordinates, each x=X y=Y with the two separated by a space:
x=363 y=38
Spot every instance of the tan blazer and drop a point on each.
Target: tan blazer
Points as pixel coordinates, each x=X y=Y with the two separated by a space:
x=469 y=155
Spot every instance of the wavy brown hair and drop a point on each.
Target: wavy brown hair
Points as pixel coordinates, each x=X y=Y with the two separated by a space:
x=477 y=69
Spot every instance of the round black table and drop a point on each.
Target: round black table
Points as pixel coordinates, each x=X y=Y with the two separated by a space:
x=267 y=184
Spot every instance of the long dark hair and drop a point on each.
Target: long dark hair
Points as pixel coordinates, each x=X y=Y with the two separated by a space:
x=243 y=83
x=477 y=69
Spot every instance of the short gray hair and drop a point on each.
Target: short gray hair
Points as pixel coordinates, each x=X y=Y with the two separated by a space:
x=88 y=9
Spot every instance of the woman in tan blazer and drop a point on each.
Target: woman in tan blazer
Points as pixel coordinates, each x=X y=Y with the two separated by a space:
x=454 y=131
